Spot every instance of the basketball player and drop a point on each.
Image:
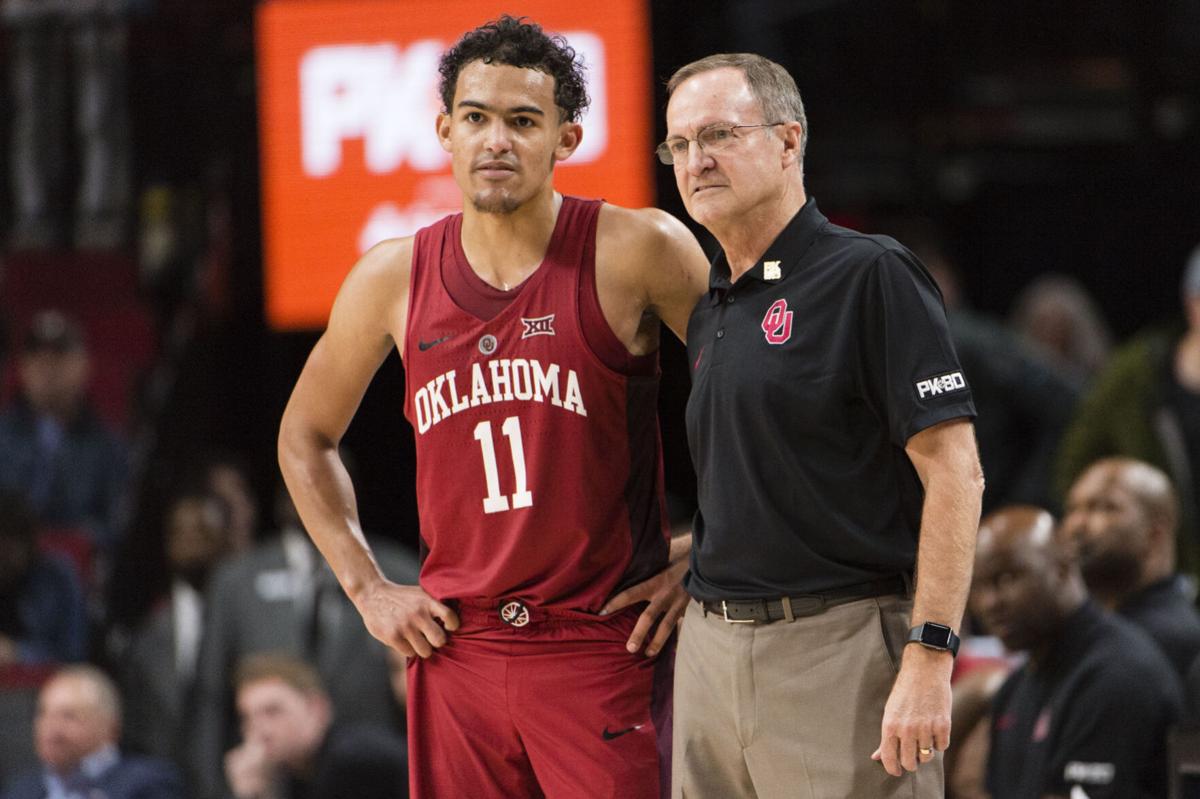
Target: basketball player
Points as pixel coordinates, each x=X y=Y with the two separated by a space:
x=528 y=326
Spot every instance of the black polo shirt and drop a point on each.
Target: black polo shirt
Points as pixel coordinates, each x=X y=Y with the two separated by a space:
x=1094 y=714
x=1164 y=610
x=809 y=375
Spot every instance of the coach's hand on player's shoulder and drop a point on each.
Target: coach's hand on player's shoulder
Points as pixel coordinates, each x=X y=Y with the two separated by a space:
x=406 y=618
x=664 y=591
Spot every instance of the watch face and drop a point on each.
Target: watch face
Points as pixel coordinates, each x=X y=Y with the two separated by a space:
x=937 y=635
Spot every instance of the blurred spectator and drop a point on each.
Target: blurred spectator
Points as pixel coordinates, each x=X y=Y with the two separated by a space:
x=43 y=618
x=1058 y=316
x=228 y=479
x=45 y=37
x=966 y=760
x=292 y=749
x=282 y=597
x=3 y=333
x=53 y=445
x=1024 y=404
x=75 y=732
x=1121 y=519
x=980 y=668
x=1146 y=404
x=159 y=666
x=1191 y=699
x=1089 y=711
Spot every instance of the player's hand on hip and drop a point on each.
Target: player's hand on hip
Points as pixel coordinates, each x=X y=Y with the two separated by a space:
x=916 y=720
x=667 y=601
x=406 y=618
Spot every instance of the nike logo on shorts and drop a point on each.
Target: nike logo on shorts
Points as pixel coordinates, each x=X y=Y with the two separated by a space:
x=609 y=735
x=425 y=345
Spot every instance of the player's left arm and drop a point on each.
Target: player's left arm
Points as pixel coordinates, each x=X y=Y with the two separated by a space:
x=918 y=711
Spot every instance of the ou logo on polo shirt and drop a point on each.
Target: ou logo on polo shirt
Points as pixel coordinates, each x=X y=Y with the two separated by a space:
x=777 y=324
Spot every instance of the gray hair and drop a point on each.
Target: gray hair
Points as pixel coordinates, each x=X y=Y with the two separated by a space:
x=770 y=83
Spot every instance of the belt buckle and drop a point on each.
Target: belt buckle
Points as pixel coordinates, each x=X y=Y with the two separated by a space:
x=515 y=613
x=725 y=613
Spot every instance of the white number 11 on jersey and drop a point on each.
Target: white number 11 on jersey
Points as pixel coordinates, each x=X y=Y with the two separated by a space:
x=495 y=502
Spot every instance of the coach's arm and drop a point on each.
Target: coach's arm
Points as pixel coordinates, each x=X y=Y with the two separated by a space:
x=917 y=714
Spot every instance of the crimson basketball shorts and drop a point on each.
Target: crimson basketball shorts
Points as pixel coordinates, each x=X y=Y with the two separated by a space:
x=556 y=707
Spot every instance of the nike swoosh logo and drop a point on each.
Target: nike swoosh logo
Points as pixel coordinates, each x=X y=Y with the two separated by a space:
x=424 y=345
x=608 y=736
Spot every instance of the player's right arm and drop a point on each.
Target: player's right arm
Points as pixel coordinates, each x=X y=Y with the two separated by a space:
x=368 y=318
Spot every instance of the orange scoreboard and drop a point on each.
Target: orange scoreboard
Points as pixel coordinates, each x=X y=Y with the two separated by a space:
x=347 y=106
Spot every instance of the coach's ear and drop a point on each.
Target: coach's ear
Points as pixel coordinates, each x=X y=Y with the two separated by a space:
x=793 y=143
x=570 y=134
x=443 y=130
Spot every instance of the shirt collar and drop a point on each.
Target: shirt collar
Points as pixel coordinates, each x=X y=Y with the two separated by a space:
x=783 y=254
x=187 y=611
x=1169 y=590
x=100 y=761
x=91 y=768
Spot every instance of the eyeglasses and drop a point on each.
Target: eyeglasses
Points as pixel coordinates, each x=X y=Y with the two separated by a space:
x=711 y=140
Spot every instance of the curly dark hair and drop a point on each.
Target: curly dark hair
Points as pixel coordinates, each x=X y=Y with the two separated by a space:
x=517 y=43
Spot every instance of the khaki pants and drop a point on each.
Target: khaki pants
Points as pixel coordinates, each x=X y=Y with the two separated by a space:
x=790 y=709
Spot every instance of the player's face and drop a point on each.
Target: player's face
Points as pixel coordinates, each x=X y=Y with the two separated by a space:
x=504 y=135
x=718 y=190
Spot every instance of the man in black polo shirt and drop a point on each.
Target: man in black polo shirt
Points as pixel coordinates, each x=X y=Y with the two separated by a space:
x=1121 y=517
x=1091 y=707
x=829 y=424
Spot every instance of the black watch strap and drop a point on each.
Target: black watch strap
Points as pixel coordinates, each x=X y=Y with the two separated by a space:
x=934 y=636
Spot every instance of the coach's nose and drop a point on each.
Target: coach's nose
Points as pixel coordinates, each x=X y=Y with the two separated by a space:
x=698 y=161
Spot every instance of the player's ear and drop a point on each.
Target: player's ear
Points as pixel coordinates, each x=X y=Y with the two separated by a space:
x=443 y=130
x=570 y=134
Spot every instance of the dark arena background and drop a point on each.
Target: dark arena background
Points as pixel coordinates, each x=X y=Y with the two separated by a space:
x=1003 y=142
x=1039 y=138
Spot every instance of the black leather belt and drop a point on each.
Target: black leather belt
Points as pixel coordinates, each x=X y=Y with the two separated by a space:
x=765 y=611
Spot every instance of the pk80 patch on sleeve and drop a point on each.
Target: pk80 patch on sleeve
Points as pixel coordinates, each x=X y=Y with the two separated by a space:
x=942 y=384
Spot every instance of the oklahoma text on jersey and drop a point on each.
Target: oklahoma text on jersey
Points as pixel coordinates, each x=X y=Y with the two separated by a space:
x=510 y=379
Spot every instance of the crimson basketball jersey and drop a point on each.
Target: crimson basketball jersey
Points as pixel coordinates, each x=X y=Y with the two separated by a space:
x=539 y=463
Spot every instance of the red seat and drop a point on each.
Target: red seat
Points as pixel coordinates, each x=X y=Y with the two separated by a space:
x=23 y=677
